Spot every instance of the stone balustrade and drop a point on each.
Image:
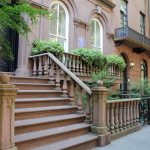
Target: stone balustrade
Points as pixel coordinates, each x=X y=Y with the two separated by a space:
x=122 y=116
x=75 y=64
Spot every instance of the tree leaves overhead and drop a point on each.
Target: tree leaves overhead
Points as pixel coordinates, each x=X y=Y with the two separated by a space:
x=11 y=18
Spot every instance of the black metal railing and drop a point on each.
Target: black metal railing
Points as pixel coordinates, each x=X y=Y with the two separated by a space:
x=127 y=32
x=144 y=108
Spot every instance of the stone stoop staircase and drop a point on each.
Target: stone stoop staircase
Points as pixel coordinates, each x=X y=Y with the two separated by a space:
x=44 y=120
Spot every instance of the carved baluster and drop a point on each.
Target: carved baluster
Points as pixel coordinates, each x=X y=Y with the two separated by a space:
x=70 y=62
x=35 y=66
x=108 y=116
x=88 y=111
x=64 y=88
x=81 y=69
x=128 y=114
x=137 y=112
x=124 y=116
x=131 y=113
x=121 y=116
x=73 y=63
x=112 y=123
x=45 y=65
x=116 y=118
x=51 y=72
x=79 y=101
x=40 y=66
x=134 y=113
x=57 y=78
x=65 y=59
x=72 y=92
x=77 y=65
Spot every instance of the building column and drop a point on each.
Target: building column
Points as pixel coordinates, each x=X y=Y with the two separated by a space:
x=23 y=54
x=7 y=104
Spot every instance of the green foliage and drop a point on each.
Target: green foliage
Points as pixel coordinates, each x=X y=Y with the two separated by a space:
x=41 y=46
x=117 y=60
x=139 y=88
x=104 y=76
x=11 y=18
x=92 y=57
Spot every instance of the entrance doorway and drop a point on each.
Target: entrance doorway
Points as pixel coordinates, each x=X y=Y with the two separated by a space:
x=5 y=64
x=124 y=86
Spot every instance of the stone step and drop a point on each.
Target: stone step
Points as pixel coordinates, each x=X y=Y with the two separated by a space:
x=35 y=86
x=39 y=93
x=15 y=79
x=42 y=137
x=40 y=102
x=29 y=113
x=83 y=142
x=29 y=125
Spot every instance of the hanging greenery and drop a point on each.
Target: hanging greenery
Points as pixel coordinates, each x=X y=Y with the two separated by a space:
x=11 y=18
x=117 y=60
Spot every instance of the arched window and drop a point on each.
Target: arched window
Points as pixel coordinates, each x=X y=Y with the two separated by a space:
x=59 y=24
x=96 y=34
x=143 y=71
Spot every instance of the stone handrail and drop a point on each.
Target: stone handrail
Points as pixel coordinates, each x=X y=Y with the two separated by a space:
x=122 y=115
x=66 y=70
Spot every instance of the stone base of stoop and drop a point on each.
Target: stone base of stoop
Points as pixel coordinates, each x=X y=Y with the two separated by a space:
x=126 y=132
x=104 y=140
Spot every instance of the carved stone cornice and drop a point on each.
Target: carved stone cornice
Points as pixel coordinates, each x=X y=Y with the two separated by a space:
x=81 y=23
x=108 y=3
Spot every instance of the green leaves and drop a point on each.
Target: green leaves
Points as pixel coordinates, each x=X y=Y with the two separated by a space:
x=92 y=57
x=117 y=60
x=11 y=18
x=41 y=46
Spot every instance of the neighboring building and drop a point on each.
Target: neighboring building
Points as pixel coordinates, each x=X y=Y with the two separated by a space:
x=113 y=26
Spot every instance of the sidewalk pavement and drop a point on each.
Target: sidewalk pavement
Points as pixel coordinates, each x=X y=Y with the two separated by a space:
x=139 y=140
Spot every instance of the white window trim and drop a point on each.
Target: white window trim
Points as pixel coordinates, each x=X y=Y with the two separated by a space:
x=67 y=24
x=101 y=34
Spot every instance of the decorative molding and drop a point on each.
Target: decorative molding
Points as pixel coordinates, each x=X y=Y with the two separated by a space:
x=81 y=23
x=38 y=4
x=108 y=3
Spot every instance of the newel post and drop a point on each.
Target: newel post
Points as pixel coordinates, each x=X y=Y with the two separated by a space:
x=7 y=103
x=99 y=125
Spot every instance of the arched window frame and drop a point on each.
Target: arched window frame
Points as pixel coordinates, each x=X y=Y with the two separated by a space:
x=101 y=34
x=66 y=43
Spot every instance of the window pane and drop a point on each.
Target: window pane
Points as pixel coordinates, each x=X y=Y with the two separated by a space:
x=61 y=41
x=97 y=32
x=92 y=33
x=53 y=21
x=62 y=22
x=123 y=6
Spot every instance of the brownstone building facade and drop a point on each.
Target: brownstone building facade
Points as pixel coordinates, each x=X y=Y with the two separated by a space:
x=112 y=26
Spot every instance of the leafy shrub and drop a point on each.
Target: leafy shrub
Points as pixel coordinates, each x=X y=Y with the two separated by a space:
x=104 y=76
x=117 y=60
x=92 y=57
x=140 y=88
x=41 y=46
